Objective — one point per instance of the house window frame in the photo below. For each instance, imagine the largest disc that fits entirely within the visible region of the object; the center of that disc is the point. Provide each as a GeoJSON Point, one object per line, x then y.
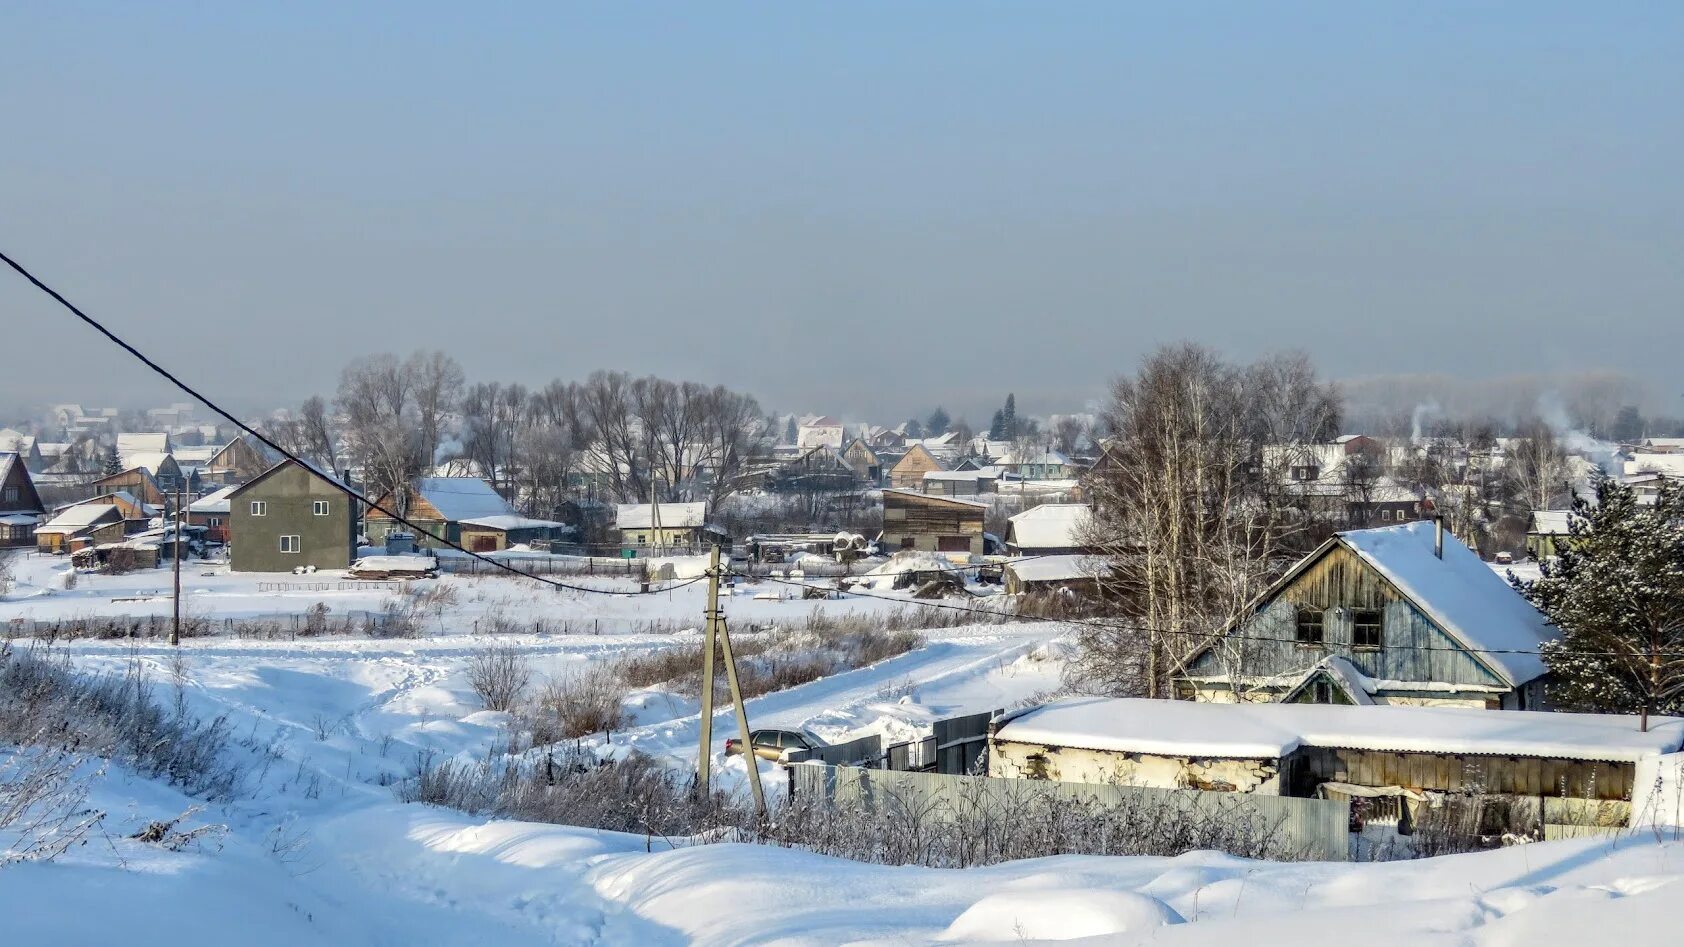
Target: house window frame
{"type": "Point", "coordinates": [1304, 621]}
{"type": "Point", "coordinates": [297, 544]}
{"type": "Point", "coordinates": [259, 507]}
{"type": "Point", "coordinates": [320, 508]}
{"type": "Point", "coordinates": [1374, 641]}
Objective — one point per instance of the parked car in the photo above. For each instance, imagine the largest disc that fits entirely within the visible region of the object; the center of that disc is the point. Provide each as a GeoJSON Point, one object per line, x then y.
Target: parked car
{"type": "Point", "coordinates": [1505, 558]}
{"type": "Point", "coordinates": [772, 744]}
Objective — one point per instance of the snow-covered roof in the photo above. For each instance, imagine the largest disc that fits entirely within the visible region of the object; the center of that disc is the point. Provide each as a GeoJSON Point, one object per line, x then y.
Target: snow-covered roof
{"type": "Point", "coordinates": [1672, 464]}
{"type": "Point", "coordinates": [933, 498]}
{"type": "Point", "coordinates": [987, 473]}
{"type": "Point", "coordinates": [81, 515]}
{"type": "Point", "coordinates": [510, 521]}
{"type": "Point", "coordinates": [143, 443]}
{"type": "Point", "coordinates": [1552, 522]}
{"type": "Point", "coordinates": [1056, 568]}
{"type": "Point", "coordinates": [673, 516]}
{"type": "Point", "coordinates": [1049, 526]}
{"type": "Point", "coordinates": [149, 461]}
{"type": "Point", "coordinates": [462, 498]}
{"type": "Point", "coordinates": [19, 519]}
{"type": "Point", "coordinates": [198, 455]}
{"type": "Point", "coordinates": [1043, 457]}
{"type": "Point", "coordinates": [1260, 731]}
{"type": "Point", "coordinates": [1665, 443]}
{"type": "Point", "coordinates": [213, 502]}
{"type": "Point", "coordinates": [1460, 594]}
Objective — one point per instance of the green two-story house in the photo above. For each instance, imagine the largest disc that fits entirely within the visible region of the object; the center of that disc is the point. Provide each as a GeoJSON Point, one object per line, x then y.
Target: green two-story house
{"type": "Point", "coordinates": [291, 516]}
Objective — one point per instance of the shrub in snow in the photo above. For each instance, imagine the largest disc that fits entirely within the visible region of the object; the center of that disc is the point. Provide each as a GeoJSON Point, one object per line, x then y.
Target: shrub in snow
{"type": "Point", "coordinates": [45, 704]}
{"type": "Point", "coordinates": [499, 674]}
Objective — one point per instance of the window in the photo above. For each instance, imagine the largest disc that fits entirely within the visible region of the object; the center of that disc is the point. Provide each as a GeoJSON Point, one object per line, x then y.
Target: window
{"type": "Point", "coordinates": [213, 521]}
{"type": "Point", "coordinates": [1385, 515]}
{"type": "Point", "coordinates": [290, 544]}
{"type": "Point", "coordinates": [1309, 630]}
{"type": "Point", "coordinates": [1321, 692]}
{"type": "Point", "coordinates": [319, 507]}
{"type": "Point", "coordinates": [259, 508]}
{"type": "Point", "coordinates": [1367, 628]}
{"type": "Point", "coordinates": [11, 494]}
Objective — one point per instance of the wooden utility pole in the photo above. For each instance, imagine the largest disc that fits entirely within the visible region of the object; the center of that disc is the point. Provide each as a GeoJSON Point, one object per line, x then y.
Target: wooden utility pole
{"type": "Point", "coordinates": [719, 635]}
{"type": "Point", "coordinates": [180, 522]}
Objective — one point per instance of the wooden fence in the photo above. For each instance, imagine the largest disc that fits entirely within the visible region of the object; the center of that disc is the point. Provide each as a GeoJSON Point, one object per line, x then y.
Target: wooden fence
{"type": "Point", "coordinates": [1315, 829]}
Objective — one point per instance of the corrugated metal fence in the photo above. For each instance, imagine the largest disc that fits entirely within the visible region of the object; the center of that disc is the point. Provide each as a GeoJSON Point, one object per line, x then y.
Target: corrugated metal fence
{"type": "Point", "coordinates": [1315, 829]}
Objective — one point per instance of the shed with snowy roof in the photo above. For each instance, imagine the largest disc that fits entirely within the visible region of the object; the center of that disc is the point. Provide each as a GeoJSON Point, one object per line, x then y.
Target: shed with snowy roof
{"type": "Point", "coordinates": [1585, 763]}
{"type": "Point", "coordinates": [1409, 608]}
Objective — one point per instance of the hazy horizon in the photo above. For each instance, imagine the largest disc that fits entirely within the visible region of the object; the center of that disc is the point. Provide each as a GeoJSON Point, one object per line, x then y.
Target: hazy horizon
{"type": "Point", "coordinates": [863, 211]}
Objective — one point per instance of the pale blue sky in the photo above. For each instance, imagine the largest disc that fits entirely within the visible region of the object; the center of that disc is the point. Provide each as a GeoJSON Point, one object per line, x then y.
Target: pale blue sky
{"type": "Point", "coordinates": [852, 208]}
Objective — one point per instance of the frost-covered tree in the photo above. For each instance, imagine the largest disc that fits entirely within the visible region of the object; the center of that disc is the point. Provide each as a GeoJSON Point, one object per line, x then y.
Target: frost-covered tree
{"type": "Point", "coordinates": [936, 424]}
{"type": "Point", "coordinates": [1616, 592]}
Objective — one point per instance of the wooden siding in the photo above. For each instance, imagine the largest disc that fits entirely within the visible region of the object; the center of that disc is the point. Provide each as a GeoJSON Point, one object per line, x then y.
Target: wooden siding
{"type": "Point", "coordinates": [1447, 772]}
{"type": "Point", "coordinates": [908, 473]}
{"type": "Point", "coordinates": [926, 521]}
{"type": "Point", "coordinates": [1413, 648]}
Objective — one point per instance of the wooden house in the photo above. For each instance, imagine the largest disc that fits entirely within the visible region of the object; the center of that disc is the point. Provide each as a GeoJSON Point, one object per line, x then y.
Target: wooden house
{"type": "Point", "coordinates": [913, 520]}
{"type": "Point", "coordinates": [1548, 532]}
{"type": "Point", "coordinates": [816, 470]}
{"type": "Point", "coordinates": [961, 483]}
{"type": "Point", "coordinates": [212, 512]}
{"type": "Point", "coordinates": [908, 472]}
{"type": "Point", "coordinates": [138, 482]}
{"type": "Point", "coordinates": [867, 465]}
{"type": "Point", "coordinates": [236, 462]}
{"type": "Point", "coordinates": [665, 528]}
{"type": "Point", "coordinates": [1036, 464]}
{"type": "Point", "coordinates": [461, 510]}
{"type": "Point", "coordinates": [289, 517]}
{"type": "Point", "coordinates": [1418, 616]}
{"type": "Point", "coordinates": [20, 504]}
{"type": "Point", "coordinates": [80, 525]}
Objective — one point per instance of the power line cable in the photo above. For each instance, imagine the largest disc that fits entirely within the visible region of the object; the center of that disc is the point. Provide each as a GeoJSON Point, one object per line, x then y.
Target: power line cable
{"type": "Point", "coordinates": [354, 493]}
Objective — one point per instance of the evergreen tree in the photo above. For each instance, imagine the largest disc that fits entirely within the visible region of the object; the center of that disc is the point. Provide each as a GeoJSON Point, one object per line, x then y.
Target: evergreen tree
{"type": "Point", "coordinates": [997, 427]}
{"type": "Point", "coordinates": [936, 424]}
{"type": "Point", "coordinates": [113, 463]}
{"type": "Point", "coordinates": [1616, 592]}
{"type": "Point", "coordinates": [914, 429]}
{"type": "Point", "coordinates": [1008, 419]}
{"type": "Point", "coordinates": [792, 433]}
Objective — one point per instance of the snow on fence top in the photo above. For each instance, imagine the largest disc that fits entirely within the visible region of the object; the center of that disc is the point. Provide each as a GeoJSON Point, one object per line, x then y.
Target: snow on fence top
{"type": "Point", "coordinates": [1257, 731]}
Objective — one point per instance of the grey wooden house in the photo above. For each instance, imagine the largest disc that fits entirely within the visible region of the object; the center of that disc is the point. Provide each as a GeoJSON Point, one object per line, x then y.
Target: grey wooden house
{"type": "Point", "coordinates": [1395, 615]}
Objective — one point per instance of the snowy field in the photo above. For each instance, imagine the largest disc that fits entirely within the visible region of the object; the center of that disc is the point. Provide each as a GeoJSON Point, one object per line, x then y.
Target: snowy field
{"type": "Point", "coordinates": [319, 851]}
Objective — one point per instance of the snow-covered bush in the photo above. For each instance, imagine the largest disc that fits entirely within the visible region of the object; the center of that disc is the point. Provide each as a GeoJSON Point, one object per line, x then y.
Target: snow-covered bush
{"type": "Point", "coordinates": [44, 704]}
{"type": "Point", "coordinates": [499, 674]}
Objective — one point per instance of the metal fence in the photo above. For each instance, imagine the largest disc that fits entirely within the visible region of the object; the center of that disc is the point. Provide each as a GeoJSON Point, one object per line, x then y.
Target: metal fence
{"type": "Point", "coordinates": [1316, 829]}
{"type": "Point", "coordinates": [549, 565]}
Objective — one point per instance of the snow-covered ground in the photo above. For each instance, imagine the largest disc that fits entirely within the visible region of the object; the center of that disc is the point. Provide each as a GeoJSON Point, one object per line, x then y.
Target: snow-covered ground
{"type": "Point", "coordinates": [318, 850]}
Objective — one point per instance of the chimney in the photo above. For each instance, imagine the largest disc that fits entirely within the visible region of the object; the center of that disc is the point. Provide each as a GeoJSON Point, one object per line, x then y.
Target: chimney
{"type": "Point", "coordinates": [1438, 536]}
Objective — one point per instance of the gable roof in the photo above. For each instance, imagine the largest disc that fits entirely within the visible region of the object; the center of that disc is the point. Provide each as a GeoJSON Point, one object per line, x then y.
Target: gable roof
{"type": "Point", "coordinates": [1049, 526]}
{"type": "Point", "coordinates": [12, 464]}
{"type": "Point", "coordinates": [1458, 593]}
{"type": "Point", "coordinates": [673, 516]}
{"type": "Point", "coordinates": [461, 498]}
{"type": "Point", "coordinates": [1057, 568]}
{"type": "Point", "coordinates": [918, 449]}
{"type": "Point", "coordinates": [80, 516]}
{"type": "Point", "coordinates": [213, 502]}
{"type": "Point", "coordinates": [320, 474]}
{"type": "Point", "coordinates": [1343, 675]}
